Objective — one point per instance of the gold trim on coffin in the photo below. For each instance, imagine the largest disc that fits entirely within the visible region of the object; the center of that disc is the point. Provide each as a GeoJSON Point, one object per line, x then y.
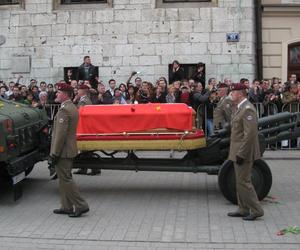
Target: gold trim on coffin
{"type": "Point", "coordinates": [180, 144]}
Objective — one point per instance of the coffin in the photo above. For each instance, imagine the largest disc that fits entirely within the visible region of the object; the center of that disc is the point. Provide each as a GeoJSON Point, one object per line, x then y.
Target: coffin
{"type": "Point", "coordinates": [138, 127]}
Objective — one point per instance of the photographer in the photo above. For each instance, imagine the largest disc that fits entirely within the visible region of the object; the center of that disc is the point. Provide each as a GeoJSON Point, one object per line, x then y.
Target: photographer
{"type": "Point", "coordinates": [143, 95]}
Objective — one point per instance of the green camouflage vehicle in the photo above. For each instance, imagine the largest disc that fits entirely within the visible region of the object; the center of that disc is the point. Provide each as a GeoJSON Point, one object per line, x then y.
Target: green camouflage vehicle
{"type": "Point", "coordinates": [23, 141]}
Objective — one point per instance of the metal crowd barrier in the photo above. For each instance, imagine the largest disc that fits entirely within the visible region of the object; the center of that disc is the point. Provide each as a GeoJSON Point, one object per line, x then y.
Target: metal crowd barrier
{"type": "Point", "coordinates": [291, 144]}
{"type": "Point", "coordinates": [262, 111]}
{"type": "Point", "coordinates": [51, 110]}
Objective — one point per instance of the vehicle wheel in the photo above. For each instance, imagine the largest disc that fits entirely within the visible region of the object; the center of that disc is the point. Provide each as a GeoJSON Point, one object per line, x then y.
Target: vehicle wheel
{"type": "Point", "coordinates": [261, 180]}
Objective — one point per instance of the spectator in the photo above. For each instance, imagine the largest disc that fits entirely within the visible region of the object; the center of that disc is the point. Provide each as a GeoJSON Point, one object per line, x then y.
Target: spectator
{"type": "Point", "coordinates": [3, 90]}
{"type": "Point", "coordinates": [123, 90]}
{"type": "Point", "coordinates": [11, 86]}
{"type": "Point", "coordinates": [185, 95]}
{"type": "Point", "coordinates": [227, 81]}
{"type": "Point", "coordinates": [290, 94]}
{"type": "Point", "coordinates": [23, 91]}
{"type": "Point", "coordinates": [143, 95]}
{"type": "Point", "coordinates": [177, 86]}
{"type": "Point", "coordinates": [200, 95]}
{"type": "Point", "coordinates": [51, 94]}
{"type": "Point", "coordinates": [171, 98]}
{"type": "Point", "coordinates": [43, 95]}
{"type": "Point", "coordinates": [16, 96]}
{"type": "Point", "coordinates": [118, 97]}
{"type": "Point", "coordinates": [32, 83]}
{"type": "Point", "coordinates": [211, 104]}
{"type": "Point", "coordinates": [108, 97]}
{"type": "Point", "coordinates": [35, 91]}
{"type": "Point", "coordinates": [199, 74]}
{"type": "Point", "coordinates": [159, 96]}
{"type": "Point", "coordinates": [87, 71]}
{"type": "Point", "coordinates": [98, 98]}
{"type": "Point", "coordinates": [177, 73]}
{"type": "Point", "coordinates": [128, 83]}
{"type": "Point", "coordinates": [131, 95]}
{"type": "Point", "coordinates": [74, 84]}
{"type": "Point", "coordinates": [43, 86]}
{"type": "Point", "coordinates": [255, 93]}
{"type": "Point", "coordinates": [70, 76]}
{"type": "Point", "coordinates": [29, 98]}
{"type": "Point", "coordinates": [138, 83]}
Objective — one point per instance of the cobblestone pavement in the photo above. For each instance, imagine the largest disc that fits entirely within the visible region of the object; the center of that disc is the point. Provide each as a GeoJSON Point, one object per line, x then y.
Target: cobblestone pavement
{"type": "Point", "coordinates": [150, 210]}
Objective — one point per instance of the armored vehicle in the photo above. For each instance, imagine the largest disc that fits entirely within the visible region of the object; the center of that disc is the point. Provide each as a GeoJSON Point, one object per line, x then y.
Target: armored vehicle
{"type": "Point", "coordinates": [104, 131]}
{"type": "Point", "coordinates": [23, 141]}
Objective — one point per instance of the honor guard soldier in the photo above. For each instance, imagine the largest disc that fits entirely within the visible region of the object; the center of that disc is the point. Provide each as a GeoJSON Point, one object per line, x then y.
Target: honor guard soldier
{"type": "Point", "coordinates": [83, 94]}
{"type": "Point", "coordinates": [244, 150]}
{"type": "Point", "coordinates": [63, 151]}
{"type": "Point", "coordinates": [222, 113]}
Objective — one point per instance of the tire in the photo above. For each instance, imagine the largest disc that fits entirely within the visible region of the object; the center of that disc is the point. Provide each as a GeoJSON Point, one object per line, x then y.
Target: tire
{"type": "Point", "coordinates": [261, 180]}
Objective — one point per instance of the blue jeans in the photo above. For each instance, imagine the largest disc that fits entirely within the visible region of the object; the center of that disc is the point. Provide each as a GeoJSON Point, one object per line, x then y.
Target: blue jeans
{"type": "Point", "coordinates": [209, 127]}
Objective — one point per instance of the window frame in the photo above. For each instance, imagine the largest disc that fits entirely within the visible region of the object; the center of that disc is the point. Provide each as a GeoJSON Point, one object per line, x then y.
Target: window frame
{"type": "Point", "coordinates": [17, 6]}
{"type": "Point", "coordinates": [185, 4]}
{"type": "Point", "coordinates": [57, 5]}
{"type": "Point", "coordinates": [85, 2]}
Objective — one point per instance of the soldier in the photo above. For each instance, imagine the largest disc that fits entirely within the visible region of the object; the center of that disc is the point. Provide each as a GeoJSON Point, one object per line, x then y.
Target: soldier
{"type": "Point", "coordinates": [222, 113]}
{"type": "Point", "coordinates": [83, 95]}
{"type": "Point", "coordinates": [244, 150]}
{"type": "Point", "coordinates": [63, 150]}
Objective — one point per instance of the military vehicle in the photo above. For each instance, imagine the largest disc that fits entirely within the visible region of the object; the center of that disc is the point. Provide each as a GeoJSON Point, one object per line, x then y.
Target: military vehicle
{"type": "Point", "coordinates": [23, 141]}
{"type": "Point", "coordinates": [119, 130]}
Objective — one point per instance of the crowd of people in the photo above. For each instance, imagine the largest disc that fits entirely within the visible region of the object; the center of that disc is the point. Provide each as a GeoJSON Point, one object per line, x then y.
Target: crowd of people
{"type": "Point", "coordinates": [193, 91]}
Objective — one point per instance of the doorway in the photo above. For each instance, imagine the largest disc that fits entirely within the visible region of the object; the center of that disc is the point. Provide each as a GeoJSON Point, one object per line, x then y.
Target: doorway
{"type": "Point", "coordinates": [294, 59]}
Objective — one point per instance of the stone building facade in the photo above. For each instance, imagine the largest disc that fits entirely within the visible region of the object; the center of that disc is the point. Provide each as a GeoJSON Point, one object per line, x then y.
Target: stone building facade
{"type": "Point", "coordinates": [41, 37]}
{"type": "Point", "coordinates": [281, 38]}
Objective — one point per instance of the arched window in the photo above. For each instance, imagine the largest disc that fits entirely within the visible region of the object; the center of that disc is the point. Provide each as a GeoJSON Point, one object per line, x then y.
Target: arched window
{"type": "Point", "coordinates": [294, 59]}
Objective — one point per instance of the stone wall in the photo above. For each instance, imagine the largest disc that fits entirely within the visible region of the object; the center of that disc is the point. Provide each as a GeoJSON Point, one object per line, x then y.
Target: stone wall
{"type": "Point", "coordinates": [130, 35]}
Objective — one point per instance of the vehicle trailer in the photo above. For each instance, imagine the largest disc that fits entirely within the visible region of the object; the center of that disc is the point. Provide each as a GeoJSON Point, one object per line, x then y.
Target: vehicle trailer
{"type": "Point", "coordinates": [24, 141]}
{"type": "Point", "coordinates": [202, 155]}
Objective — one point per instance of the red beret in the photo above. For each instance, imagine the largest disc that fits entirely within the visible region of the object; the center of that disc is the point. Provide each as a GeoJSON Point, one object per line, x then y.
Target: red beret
{"type": "Point", "coordinates": [238, 86]}
{"type": "Point", "coordinates": [83, 86]}
{"type": "Point", "coordinates": [64, 87]}
{"type": "Point", "coordinates": [222, 85]}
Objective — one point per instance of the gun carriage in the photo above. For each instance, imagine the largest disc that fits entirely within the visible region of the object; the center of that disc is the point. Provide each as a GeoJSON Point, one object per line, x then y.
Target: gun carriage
{"type": "Point", "coordinates": [104, 131]}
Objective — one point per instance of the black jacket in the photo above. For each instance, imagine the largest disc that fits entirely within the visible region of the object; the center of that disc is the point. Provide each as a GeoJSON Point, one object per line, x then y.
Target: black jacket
{"type": "Point", "coordinates": [177, 75]}
{"type": "Point", "coordinates": [92, 75]}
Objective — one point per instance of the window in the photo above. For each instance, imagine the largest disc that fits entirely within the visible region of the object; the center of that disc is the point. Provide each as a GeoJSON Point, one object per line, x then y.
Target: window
{"type": "Point", "coordinates": [81, 4]}
{"type": "Point", "coordinates": [9, 2]}
{"type": "Point", "coordinates": [189, 70]}
{"type": "Point", "coordinates": [186, 3]}
{"type": "Point", "coordinates": [294, 59]}
{"type": "Point", "coordinates": [82, 1]}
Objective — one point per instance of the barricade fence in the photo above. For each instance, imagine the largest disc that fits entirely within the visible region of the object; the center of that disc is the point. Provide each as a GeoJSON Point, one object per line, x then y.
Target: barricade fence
{"type": "Point", "coordinates": [204, 120]}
